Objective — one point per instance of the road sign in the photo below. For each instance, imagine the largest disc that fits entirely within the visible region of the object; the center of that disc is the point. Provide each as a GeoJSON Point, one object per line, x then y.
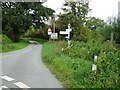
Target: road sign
{"type": "Point", "coordinates": [64, 32]}
{"type": "Point", "coordinates": [54, 35]}
{"type": "Point", "coordinates": [49, 31]}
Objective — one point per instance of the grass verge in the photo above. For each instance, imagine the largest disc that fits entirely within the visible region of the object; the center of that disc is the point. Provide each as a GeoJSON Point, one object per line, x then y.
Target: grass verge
{"type": "Point", "coordinates": [7, 45]}
{"type": "Point", "coordinates": [70, 71]}
{"type": "Point", "coordinates": [73, 66]}
{"type": "Point", "coordinates": [14, 46]}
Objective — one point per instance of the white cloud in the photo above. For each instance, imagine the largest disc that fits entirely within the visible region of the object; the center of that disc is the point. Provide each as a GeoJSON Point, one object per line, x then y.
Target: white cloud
{"type": "Point", "coordinates": [104, 8]}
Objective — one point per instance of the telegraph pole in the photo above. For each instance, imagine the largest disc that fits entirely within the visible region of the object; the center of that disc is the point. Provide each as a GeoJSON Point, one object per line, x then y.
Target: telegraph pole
{"type": "Point", "coordinates": [119, 10]}
{"type": "Point", "coordinates": [54, 26]}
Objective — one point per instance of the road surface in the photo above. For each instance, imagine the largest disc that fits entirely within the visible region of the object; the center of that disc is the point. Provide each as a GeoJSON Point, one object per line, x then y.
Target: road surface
{"type": "Point", "coordinates": [24, 69]}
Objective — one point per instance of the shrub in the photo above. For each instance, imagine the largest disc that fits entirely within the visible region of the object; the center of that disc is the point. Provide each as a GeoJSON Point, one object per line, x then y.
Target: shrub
{"type": "Point", "coordinates": [6, 42]}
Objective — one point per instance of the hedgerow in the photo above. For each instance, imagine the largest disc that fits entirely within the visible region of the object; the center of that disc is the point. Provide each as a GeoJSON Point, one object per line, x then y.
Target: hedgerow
{"type": "Point", "coordinates": [73, 66]}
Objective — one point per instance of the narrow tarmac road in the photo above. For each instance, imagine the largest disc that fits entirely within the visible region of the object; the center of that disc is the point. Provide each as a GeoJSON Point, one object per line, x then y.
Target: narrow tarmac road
{"type": "Point", "coordinates": [24, 69]}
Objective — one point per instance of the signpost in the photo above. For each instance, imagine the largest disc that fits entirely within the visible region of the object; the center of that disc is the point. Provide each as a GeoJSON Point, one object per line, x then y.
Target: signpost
{"type": "Point", "coordinates": [52, 35]}
{"type": "Point", "coordinates": [68, 33]}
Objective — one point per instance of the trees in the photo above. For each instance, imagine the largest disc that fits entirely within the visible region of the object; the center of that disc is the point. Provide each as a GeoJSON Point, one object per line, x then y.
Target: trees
{"type": "Point", "coordinates": [19, 16]}
{"type": "Point", "coordinates": [113, 26]}
{"type": "Point", "coordinates": [40, 32]}
{"type": "Point", "coordinates": [76, 14]}
{"type": "Point", "coordinates": [95, 23]}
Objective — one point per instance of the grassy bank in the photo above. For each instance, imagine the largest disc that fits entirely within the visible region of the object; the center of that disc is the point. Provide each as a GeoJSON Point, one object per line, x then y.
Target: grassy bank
{"type": "Point", "coordinates": [8, 45]}
{"type": "Point", "coordinates": [14, 46]}
{"type": "Point", "coordinates": [73, 66]}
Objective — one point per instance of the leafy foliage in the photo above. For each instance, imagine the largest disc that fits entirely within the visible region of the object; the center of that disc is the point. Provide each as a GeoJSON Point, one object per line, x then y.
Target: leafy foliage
{"type": "Point", "coordinates": [19, 16]}
{"type": "Point", "coordinates": [40, 32]}
{"type": "Point", "coordinates": [113, 26]}
{"type": "Point", "coordinates": [95, 23]}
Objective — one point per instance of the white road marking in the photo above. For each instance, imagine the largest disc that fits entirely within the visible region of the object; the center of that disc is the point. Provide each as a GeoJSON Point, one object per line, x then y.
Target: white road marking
{"type": "Point", "coordinates": [21, 85]}
{"type": "Point", "coordinates": [7, 78]}
{"type": "Point", "coordinates": [3, 87]}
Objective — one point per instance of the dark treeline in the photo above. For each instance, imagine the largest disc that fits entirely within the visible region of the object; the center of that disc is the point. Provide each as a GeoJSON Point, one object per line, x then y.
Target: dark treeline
{"type": "Point", "coordinates": [18, 17]}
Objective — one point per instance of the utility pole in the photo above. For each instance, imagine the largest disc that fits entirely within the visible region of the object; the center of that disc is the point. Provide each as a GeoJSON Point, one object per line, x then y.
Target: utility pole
{"type": "Point", "coordinates": [54, 21]}
{"type": "Point", "coordinates": [54, 25]}
{"type": "Point", "coordinates": [119, 10]}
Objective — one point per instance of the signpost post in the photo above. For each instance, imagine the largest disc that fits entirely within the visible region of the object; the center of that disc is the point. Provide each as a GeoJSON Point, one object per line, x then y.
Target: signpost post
{"type": "Point", "coordinates": [69, 30]}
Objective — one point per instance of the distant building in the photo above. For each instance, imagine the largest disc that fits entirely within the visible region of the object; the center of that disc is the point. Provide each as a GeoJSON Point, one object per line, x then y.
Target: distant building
{"type": "Point", "coordinates": [119, 9]}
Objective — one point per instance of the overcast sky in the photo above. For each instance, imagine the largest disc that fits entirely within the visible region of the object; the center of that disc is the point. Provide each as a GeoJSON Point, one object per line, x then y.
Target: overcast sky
{"type": "Point", "coordinates": [100, 8]}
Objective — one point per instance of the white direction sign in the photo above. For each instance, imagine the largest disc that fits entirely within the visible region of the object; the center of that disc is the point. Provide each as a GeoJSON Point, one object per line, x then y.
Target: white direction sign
{"type": "Point", "coordinates": [68, 33]}
{"type": "Point", "coordinates": [64, 32]}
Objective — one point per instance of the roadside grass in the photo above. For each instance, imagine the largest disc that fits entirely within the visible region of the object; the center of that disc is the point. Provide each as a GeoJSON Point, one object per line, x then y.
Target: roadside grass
{"type": "Point", "coordinates": [73, 66]}
{"type": "Point", "coordinates": [70, 71]}
{"type": "Point", "coordinates": [14, 46]}
{"type": "Point", "coordinates": [7, 45]}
